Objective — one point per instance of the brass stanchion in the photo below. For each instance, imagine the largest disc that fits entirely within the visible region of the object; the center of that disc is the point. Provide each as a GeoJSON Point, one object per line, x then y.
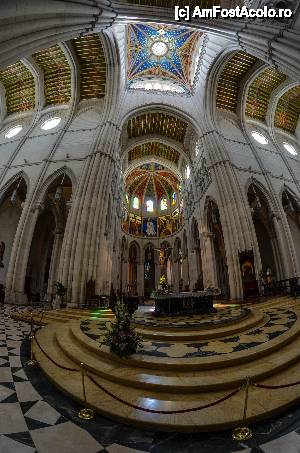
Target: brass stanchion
{"type": "Point", "coordinates": [42, 317]}
{"type": "Point", "coordinates": [85, 413]}
{"type": "Point", "coordinates": [31, 361]}
{"type": "Point", "coordinates": [243, 432]}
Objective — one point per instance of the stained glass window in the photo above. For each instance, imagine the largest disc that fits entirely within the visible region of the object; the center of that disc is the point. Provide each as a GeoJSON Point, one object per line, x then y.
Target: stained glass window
{"type": "Point", "coordinates": [174, 198]}
{"type": "Point", "coordinates": [187, 172]}
{"type": "Point", "coordinates": [127, 199]}
{"type": "Point", "coordinates": [149, 205]}
{"type": "Point", "coordinates": [163, 204]}
{"type": "Point", "coordinates": [136, 203]}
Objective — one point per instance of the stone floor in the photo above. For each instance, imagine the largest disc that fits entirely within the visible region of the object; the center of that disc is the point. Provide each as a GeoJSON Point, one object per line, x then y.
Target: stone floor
{"type": "Point", "coordinates": [36, 417]}
{"type": "Point", "coordinates": [279, 320]}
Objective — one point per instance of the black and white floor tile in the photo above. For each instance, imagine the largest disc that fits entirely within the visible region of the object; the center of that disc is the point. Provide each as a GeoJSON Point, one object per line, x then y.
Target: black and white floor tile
{"type": "Point", "coordinates": [36, 418]}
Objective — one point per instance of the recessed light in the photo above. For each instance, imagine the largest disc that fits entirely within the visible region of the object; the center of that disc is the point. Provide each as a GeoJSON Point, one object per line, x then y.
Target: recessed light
{"type": "Point", "coordinates": [13, 131]}
{"type": "Point", "coordinates": [260, 138]}
{"type": "Point", "coordinates": [290, 148]}
{"type": "Point", "coordinates": [51, 123]}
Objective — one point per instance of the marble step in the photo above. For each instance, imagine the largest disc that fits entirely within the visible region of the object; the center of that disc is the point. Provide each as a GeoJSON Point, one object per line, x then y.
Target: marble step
{"type": "Point", "coordinates": [255, 319]}
{"type": "Point", "coordinates": [173, 381]}
{"type": "Point", "coordinates": [191, 363]}
{"type": "Point", "coordinates": [176, 381]}
{"type": "Point", "coordinates": [261, 404]}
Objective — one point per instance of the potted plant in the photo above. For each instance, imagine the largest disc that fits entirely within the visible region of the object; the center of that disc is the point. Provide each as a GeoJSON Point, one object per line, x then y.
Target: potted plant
{"type": "Point", "coordinates": [122, 338]}
{"type": "Point", "coordinates": [61, 292]}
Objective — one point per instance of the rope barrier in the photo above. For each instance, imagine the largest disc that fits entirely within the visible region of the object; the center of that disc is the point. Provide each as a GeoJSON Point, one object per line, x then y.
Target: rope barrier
{"type": "Point", "coordinates": [274, 387]}
{"type": "Point", "coordinates": [53, 361]}
{"type": "Point", "coordinates": [154, 411]}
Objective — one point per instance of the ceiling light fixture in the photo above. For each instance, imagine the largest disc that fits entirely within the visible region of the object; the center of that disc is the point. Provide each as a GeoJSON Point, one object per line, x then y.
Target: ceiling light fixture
{"type": "Point", "coordinates": [289, 148]}
{"type": "Point", "coordinates": [259, 137]}
{"type": "Point", "coordinates": [13, 131]}
{"type": "Point", "coordinates": [51, 123]}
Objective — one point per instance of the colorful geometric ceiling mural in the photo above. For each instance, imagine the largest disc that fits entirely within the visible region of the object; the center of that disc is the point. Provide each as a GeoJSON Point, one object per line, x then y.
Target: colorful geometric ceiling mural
{"type": "Point", "coordinates": [260, 92]}
{"type": "Point", "coordinates": [151, 181]}
{"type": "Point", "coordinates": [92, 62]}
{"type": "Point", "coordinates": [154, 149]}
{"type": "Point", "coordinates": [288, 110]}
{"type": "Point", "coordinates": [157, 123]}
{"type": "Point", "coordinates": [19, 88]}
{"type": "Point", "coordinates": [161, 53]}
{"type": "Point", "coordinates": [57, 75]}
{"type": "Point", "coordinates": [228, 84]}
{"type": "Point", "coordinates": [173, 3]}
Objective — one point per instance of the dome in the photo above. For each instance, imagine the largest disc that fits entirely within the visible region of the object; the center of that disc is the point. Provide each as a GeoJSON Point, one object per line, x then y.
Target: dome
{"type": "Point", "coordinates": [152, 202]}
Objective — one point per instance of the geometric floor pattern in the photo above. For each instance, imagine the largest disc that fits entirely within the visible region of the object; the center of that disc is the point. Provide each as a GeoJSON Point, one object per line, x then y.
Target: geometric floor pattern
{"type": "Point", "coordinates": [29, 424]}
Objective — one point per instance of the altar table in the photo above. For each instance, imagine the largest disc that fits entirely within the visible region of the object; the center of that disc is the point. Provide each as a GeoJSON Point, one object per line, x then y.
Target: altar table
{"type": "Point", "coordinates": [184, 303]}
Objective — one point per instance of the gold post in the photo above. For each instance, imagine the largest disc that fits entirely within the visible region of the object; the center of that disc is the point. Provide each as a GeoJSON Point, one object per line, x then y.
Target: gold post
{"type": "Point", "coordinates": [85, 413]}
{"type": "Point", "coordinates": [32, 361]}
{"type": "Point", "coordinates": [242, 433]}
{"type": "Point", "coordinates": [42, 317]}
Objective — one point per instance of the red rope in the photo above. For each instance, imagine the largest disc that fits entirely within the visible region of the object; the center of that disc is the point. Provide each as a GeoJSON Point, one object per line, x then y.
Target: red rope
{"type": "Point", "coordinates": [153, 411]}
{"type": "Point", "coordinates": [270, 387]}
{"type": "Point", "coordinates": [53, 361]}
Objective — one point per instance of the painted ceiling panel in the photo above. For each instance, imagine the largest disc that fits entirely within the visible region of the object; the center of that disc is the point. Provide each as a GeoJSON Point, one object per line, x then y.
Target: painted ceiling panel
{"type": "Point", "coordinates": [157, 123]}
{"type": "Point", "coordinates": [19, 88]}
{"type": "Point", "coordinates": [162, 53]}
{"type": "Point", "coordinates": [92, 62]}
{"type": "Point", "coordinates": [57, 75]}
{"type": "Point", "coordinates": [154, 149]}
{"type": "Point", "coordinates": [228, 84]}
{"type": "Point", "coordinates": [288, 110]}
{"type": "Point", "coordinates": [151, 181]}
{"type": "Point", "coordinates": [260, 91]}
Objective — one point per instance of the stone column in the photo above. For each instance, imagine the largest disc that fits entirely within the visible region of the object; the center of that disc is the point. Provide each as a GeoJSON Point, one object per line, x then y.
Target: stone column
{"type": "Point", "coordinates": [58, 238]}
{"type": "Point", "coordinates": [210, 276]}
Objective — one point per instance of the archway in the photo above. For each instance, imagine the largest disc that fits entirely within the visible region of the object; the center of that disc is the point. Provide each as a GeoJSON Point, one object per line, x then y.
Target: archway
{"type": "Point", "coordinates": [292, 210]}
{"type": "Point", "coordinates": [47, 240]}
{"type": "Point", "coordinates": [149, 271]}
{"type": "Point", "coordinates": [215, 227]}
{"type": "Point", "coordinates": [265, 233]}
{"type": "Point", "coordinates": [10, 212]}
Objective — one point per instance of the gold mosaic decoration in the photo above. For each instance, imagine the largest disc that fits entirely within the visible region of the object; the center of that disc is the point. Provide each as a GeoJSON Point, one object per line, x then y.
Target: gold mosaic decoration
{"type": "Point", "coordinates": [57, 75]}
{"type": "Point", "coordinates": [154, 149]}
{"type": "Point", "coordinates": [260, 92]}
{"type": "Point", "coordinates": [157, 123]}
{"type": "Point", "coordinates": [19, 88]}
{"type": "Point", "coordinates": [173, 3]}
{"type": "Point", "coordinates": [288, 110]}
{"type": "Point", "coordinates": [91, 57]}
{"type": "Point", "coordinates": [230, 78]}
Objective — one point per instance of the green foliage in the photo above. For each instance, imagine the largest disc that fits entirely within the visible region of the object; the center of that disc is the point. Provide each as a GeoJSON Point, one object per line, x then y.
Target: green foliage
{"type": "Point", "coordinates": [122, 338]}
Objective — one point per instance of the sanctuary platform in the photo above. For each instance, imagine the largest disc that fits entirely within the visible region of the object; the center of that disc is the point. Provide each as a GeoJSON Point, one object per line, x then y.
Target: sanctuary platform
{"type": "Point", "coordinates": [190, 371]}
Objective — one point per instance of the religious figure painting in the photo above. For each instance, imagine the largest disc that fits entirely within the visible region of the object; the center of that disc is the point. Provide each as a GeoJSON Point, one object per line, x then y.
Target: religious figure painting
{"type": "Point", "coordinates": [150, 227]}
{"type": "Point", "coordinates": [165, 225]}
{"type": "Point", "coordinates": [135, 225]}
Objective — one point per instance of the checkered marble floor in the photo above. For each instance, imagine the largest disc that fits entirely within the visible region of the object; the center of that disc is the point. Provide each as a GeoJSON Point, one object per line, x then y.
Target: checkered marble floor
{"type": "Point", "coordinates": [34, 419]}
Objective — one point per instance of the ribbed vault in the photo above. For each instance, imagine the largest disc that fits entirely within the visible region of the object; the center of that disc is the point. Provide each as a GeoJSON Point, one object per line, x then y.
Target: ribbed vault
{"type": "Point", "coordinates": [154, 149]}
{"type": "Point", "coordinates": [57, 75]}
{"type": "Point", "coordinates": [157, 123]}
{"type": "Point", "coordinates": [260, 91]}
{"type": "Point", "coordinates": [288, 110]}
{"type": "Point", "coordinates": [229, 80]}
{"type": "Point", "coordinates": [19, 88]}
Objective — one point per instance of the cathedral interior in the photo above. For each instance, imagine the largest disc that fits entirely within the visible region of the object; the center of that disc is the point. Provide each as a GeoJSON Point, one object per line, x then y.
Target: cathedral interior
{"type": "Point", "coordinates": [149, 228]}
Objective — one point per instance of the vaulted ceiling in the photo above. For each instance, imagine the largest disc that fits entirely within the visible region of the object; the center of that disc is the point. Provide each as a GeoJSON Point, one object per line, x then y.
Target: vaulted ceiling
{"type": "Point", "coordinates": [154, 149]}
{"type": "Point", "coordinates": [19, 83]}
{"type": "Point", "coordinates": [288, 110]}
{"type": "Point", "coordinates": [19, 88]}
{"type": "Point", "coordinates": [157, 123]}
{"type": "Point", "coordinates": [173, 3]}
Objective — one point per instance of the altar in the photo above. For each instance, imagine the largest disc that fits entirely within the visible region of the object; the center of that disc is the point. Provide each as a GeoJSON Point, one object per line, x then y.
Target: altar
{"type": "Point", "coordinates": [186, 302]}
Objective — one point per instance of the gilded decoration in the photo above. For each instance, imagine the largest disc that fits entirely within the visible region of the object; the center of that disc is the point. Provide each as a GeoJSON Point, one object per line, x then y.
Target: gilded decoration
{"type": "Point", "coordinates": [157, 123]}
{"type": "Point", "coordinates": [19, 88]}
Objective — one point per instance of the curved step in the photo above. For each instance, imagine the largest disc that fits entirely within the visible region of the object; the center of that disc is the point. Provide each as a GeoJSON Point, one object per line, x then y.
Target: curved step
{"type": "Point", "coordinates": [227, 414]}
{"type": "Point", "coordinates": [255, 319]}
{"type": "Point", "coordinates": [170, 381]}
{"type": "Point", "coordinates": [191, 363]}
